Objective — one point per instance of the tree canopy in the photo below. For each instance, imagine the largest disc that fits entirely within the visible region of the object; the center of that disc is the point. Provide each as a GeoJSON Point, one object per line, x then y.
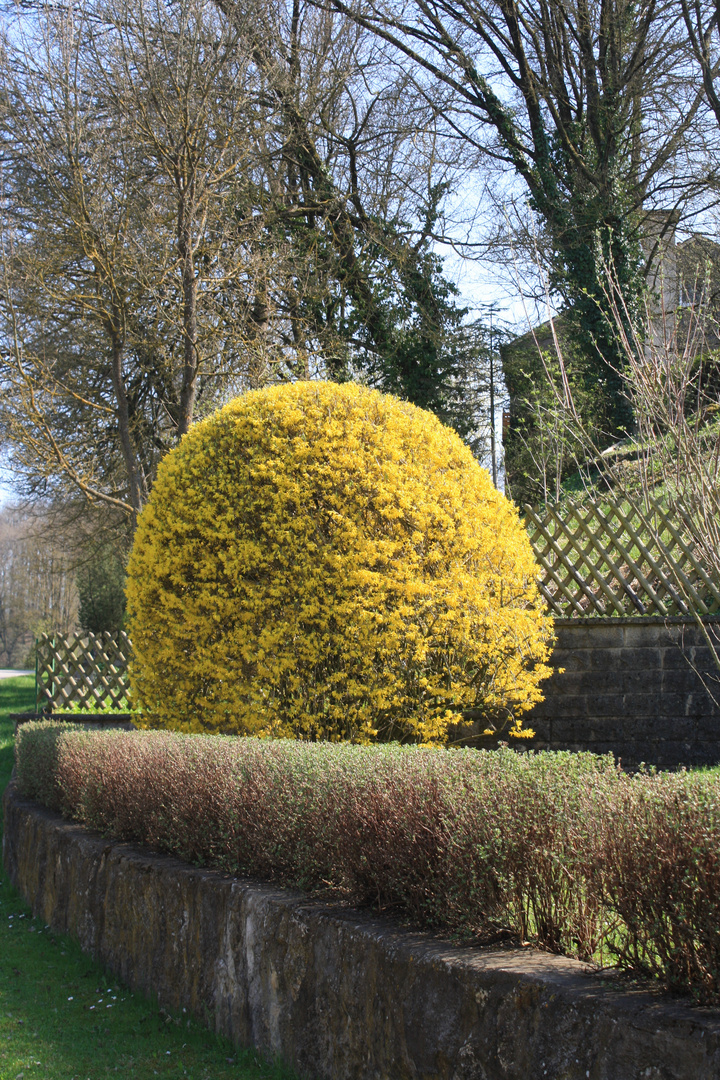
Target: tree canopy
{"type": "Point", "coordinates": [199, 200]}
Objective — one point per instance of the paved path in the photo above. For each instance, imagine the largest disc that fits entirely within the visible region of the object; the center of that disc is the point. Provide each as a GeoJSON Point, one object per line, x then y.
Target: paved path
{"type": "Point", "coordinates": [5, 673]}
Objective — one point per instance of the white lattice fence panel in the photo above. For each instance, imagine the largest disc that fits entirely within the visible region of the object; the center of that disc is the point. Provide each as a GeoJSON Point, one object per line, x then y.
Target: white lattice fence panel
{"type": "Point", "coordinates": [612, 558]}
{"type": "Point", "coordinates": [89, 670]}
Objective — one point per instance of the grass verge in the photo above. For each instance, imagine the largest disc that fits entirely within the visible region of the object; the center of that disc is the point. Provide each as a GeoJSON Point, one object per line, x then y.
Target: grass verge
{"type": "Point", "coordinates": [63, 1018]}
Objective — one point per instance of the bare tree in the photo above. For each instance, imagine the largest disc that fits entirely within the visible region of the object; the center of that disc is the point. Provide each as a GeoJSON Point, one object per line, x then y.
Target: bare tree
{"type": "Point", "coordinates": [358, 171]}
{"type": "Point", "coordinates": [37, 585]}
{"type": "Point", "coordinates": [124, 299]}
{"type": "Point", "coordinates": [197, 201]}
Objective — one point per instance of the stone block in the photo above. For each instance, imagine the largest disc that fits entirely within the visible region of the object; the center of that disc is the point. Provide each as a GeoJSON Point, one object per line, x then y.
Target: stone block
{"type": "Point", "coordinates": [616, 747]}
{"type": "Point", "coordinates": [707, 751]}
{"type": "Point", "coordinates": [678, 705]}
{"type": "Point", "coordinates": [542, 728]}
{"type": "Point", "coordinates": [675, 753]}
{"type": "Point", "coordinates": [690, 636]}
{"type": "Point", "coordinates": [564, 705]}
{"type": "Point", "coordinates": [681, 680]}
{"type": "Point", "coordinates": [673, 727]}
{"type": "Point", "coordinates": [638, 681]}
{"type": "Point", "coordinates": [702, 704]}
{"type": "Point", "coordinates": [571, 660]}
{"type": "Point", "coordinates": [707, 729]}
{"type": "Point", "coordinates": [637, 751]}
{"type": "Point", "coordinates": [644, 705]}
{"type": "Point", "coordinates": [542, 713]}
{"type": "Point", "coordinates": [565, 731]}
{"type": "Point", "coordinates": [555, 684]}
{"type": "Point", "coordinates": [647, 636]}
{"type": "Point", "coordinates": [588, 683]}
{"type": "Point", "coordinates": [693, 656]}
{"type": "Point", "coordinates": [639, 659]}
{"type": "Point", "coordinates": [609, 730]}
{"type": "Point", "coordinates": [601, 705]}
{"type": "Point", "coordinates": [606, 659]}
{"type": "Point", "coordinates": [591, 636]}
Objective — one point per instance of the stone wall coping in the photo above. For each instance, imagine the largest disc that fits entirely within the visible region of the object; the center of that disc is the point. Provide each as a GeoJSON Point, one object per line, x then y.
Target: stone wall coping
{"type": "Point", "coordinates": [339, 993]}
{"type": "Point", "coordinates": [635, 620]}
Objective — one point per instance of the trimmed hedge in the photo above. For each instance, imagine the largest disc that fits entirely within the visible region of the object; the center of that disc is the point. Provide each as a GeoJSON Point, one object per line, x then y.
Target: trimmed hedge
{"type": "Point", "coordinates": [563, 850]}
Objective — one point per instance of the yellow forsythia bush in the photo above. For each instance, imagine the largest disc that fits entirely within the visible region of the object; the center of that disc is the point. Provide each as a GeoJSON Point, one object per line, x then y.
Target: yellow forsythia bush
{"type": "Point", "coordinates": [323, 561]}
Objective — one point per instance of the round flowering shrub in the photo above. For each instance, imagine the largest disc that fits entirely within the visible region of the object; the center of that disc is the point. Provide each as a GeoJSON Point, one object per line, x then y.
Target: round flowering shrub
{"type": "Point", "coordinates": [326, 562]}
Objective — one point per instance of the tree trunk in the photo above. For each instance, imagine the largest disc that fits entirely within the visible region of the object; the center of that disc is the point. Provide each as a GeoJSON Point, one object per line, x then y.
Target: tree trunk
{"type": "Point", "coordinates": [189, 282]}
{"type": "Point", "coordinates": [135, 482]}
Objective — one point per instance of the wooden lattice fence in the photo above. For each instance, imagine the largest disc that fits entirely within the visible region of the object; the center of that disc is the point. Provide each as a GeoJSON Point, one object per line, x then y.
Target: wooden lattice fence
{"type": "Point", "coordinates": [612, 558]}
{"type": "Point", "coordinates": [86, 670]}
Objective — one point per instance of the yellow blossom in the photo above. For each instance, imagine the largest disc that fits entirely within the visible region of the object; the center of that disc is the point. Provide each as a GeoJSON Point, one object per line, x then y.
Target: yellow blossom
{"type": "Point", "coordinates": [323, 561]}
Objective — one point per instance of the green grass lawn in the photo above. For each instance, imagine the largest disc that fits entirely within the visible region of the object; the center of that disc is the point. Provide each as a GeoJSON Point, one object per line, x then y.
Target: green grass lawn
{"type": "Point", "coordinates": [63, 1017]}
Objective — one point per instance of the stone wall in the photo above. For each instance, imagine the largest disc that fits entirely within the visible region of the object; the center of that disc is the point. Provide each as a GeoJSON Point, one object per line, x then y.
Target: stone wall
{"type": "Point", "coordinates": [334, 992]}
{"type": "Point", "coordinates": [641, 688]}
